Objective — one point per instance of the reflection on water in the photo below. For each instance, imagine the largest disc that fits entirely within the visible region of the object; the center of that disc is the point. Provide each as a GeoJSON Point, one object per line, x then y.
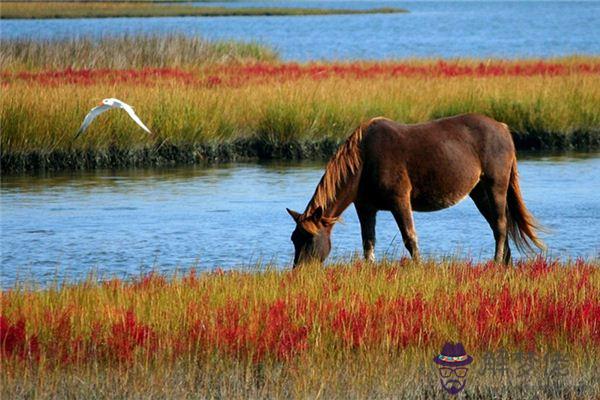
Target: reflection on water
{"type": "Point", "coordinates": [122, 222]}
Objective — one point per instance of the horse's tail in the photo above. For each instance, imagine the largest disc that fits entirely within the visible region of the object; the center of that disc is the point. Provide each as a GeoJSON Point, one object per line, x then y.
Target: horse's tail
{"type": "Point", "coordinates": [522, 225]}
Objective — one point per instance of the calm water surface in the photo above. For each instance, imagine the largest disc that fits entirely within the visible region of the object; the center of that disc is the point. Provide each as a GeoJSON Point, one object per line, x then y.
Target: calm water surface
{"type": "Point", "coordinates": [510, 29]}
{"type": "Point", "coordinates": [124, 222]}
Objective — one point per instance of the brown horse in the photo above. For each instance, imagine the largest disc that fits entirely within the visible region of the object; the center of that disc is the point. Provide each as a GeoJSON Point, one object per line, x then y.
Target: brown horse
{"type": "Point", "coordinates": [385, 165]}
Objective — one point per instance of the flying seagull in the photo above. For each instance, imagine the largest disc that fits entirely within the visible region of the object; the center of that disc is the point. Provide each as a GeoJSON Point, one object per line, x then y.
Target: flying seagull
{"type": "Point", "coordinates": [105, 105]}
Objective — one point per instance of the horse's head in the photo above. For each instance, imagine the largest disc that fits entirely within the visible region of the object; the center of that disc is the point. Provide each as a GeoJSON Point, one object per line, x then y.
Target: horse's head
{"type": "Point", "coordinates": [312, 236]}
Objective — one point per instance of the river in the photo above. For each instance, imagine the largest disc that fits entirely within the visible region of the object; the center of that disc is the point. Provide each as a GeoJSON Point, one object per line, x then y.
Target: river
{"type": "Point", "coordinates": [121, 223]}
{"type": "Point", "coordinates": [507, 29]}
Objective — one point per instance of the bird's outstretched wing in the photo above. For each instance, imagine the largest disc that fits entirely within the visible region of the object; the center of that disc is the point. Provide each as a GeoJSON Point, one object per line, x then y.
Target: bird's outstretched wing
{"type": "Point", "coordinates": [134, 116]}
{"type": "Point", "coordinates": [113, 103]}
{"type": "Point", "coordinates": [90, 117]}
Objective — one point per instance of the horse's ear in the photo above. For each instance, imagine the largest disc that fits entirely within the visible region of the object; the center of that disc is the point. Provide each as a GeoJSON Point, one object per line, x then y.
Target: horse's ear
{"type": "Point", "coordinates": [318, 214]}
{"type": "Point", "coordinates": [295, 215]}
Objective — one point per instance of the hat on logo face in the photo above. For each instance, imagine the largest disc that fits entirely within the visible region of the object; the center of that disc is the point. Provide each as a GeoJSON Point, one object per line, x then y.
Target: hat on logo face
{"type": "Point", "coordinates": [453, 355]}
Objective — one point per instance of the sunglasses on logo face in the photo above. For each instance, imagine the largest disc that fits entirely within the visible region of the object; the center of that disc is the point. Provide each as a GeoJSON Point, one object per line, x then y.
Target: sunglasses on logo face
{"type": "Point", "coordinates": [447, 372]}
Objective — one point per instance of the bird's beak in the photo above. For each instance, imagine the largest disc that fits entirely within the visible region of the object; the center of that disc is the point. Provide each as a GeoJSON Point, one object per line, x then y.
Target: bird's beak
{"type": "Point", "coordinates": [100, 104]}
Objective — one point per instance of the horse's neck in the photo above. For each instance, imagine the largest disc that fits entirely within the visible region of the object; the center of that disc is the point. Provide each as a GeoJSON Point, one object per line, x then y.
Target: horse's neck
{"type": "Point", "coordinates": [344, 195]}
{"type": "Point", "coordinates": [339, 184]}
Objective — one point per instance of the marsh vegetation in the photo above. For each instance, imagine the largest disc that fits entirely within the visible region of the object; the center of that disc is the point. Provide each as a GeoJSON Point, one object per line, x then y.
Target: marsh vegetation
{"type": "Point", "coordinates": [223, 101]}
{"type": "Point", "coordinates": [303, 333]}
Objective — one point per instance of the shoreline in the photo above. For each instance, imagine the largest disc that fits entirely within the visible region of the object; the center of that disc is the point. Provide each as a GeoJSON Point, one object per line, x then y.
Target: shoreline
{"type": "Point", "coordinates": [164, 153]}
{"type": "Point", "coordinates": [71, 10]}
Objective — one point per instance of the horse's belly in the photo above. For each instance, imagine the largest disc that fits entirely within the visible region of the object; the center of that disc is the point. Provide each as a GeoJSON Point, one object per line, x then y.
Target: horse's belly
{"type": "Point", "coordinates": [437, 194]}
{"type": "Point", "coordinates": [434, 202]}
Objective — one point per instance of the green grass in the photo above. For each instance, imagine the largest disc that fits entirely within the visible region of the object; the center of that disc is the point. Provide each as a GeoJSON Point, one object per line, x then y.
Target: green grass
{"type": "Point", "coordinates": [30, 10]}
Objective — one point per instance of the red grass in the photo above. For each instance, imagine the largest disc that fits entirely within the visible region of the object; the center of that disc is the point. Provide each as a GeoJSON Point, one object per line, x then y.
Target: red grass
{"type": "Point", "coordinates": [146, 76]}
{"type": "Point", "coordinates": [239, 75]}
{"type": "Point", "coordinates": [129, 335]}
{"type": "Point", "coordinates": [15, 342]}
{"type": "Point", "coordinates": [335, 317]}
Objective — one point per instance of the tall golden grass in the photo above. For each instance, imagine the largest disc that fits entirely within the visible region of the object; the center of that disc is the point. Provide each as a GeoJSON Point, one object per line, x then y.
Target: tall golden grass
{"type": "Point", "coordinates": [43, 117]}
{"type": "Point", "coordinates": [350, 330]}
{"type": "Point", "coordinates": [220, 100]}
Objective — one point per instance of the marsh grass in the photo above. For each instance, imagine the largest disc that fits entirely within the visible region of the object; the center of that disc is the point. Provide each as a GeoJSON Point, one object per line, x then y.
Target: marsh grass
{"type": "Point", "coordinates": [224, 101]}
{"type": "Point", "coordinates": [107, 9]}
{"type": "Point", "coordinates": [348, 377]}
{"type": "Point", "coordinates": [351, 330]}
{"type": "Point", "coordinates": [196, 121]}
{"type": "Point", "coordinates": [124, 52]}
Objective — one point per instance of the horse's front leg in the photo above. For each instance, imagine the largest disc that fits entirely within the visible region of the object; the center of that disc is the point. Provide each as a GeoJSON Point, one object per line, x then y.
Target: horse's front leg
{"type": "Point", "coordinates": [402, 212]}
{"type": "Point", "coordinates": [367, 218]}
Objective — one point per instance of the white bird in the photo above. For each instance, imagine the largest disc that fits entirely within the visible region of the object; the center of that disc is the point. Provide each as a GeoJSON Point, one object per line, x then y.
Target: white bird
{"type": "Point", "coordinates": [106, 105]}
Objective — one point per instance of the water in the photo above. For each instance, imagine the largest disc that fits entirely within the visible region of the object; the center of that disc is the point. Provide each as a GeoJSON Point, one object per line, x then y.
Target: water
{"type": "Point", "coordinates": [509, 29]}
{"type": "Point", "coordinates": [124, 222]}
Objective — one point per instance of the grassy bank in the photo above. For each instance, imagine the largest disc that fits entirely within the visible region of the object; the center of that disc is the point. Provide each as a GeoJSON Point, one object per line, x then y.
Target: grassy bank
{"type": "Point", "coordinates": [224, 101]}
{"type": "Point", "coordinates": [228, 112]}
{"type": "Point", "coordinates": [128, 52]}
{"type": "Point", "coordinates": [103, 9]}
{"type": "Point", "coordinates": [351, 330]}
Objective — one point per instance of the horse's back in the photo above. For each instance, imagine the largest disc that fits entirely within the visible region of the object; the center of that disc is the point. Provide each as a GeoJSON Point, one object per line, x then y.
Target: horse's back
{"type": "Point", "coordinates": [439, 161]}
{"type": "Point", "coordinates": [463, 135]}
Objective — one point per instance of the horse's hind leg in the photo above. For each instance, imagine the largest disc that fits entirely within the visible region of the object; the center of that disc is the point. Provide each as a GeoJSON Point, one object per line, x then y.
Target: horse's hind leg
{"type": "Point", "coordinates": [491, 202]}
{"type": "Point", "coordinates": [402, 212]}
{"type": "Point", "coordinates": [366, 216]}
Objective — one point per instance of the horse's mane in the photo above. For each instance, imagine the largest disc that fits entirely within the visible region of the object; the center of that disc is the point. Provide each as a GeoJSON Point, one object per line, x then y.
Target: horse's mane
{"type": "Point", "coordinates": [345, 162]}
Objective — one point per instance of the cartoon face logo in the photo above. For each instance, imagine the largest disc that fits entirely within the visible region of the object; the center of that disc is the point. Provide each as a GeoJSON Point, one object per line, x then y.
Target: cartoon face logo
{"type": "Point", "coordinates": [452, 366]}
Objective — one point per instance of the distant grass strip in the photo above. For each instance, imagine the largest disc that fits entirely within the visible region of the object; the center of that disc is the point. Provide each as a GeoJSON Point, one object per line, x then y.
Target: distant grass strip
{"type": "Point", "coordinates": [116, 1]}
{"type": "Point", "coordinates": [29, 10]}
{"type": "Point", "coordinates": [352, 330]}
{"type": "Point", "coordinates": [127, 52]}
